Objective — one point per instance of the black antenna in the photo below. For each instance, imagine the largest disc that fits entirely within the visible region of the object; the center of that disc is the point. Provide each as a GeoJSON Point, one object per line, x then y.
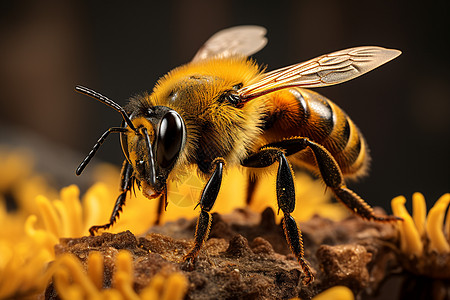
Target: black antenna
{"type": "Point", "coordinates": [97, 145]}
{"type": "Point", "coordinates": [105, 100]}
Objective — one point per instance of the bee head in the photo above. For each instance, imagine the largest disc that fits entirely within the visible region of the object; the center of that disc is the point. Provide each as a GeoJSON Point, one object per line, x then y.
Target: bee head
{"type": "Point", "coordinates": [154, 146]}
{"type": "Point", "coordinates": [151, 138]}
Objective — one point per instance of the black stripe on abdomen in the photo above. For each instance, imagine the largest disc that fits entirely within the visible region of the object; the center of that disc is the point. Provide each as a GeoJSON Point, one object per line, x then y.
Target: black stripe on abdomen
{"type": "Point", "coordinates": [320, 118]}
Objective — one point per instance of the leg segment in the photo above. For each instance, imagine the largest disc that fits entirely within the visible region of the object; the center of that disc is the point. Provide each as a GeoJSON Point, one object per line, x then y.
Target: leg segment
{"type": "Point", "coordinates": [294, 238]}
{"type": "Point", "coordinates": [286, 201]}
{"type": "Point", "coordinates": [207, 200]}
{"type": "Point", "coordinates": [332, 176]}
{"type": "Point", "coordinates": [126, 182]}
{"type": "Point", "coordinates": [285, 182]}
{"type": "Point", "coordinates": [285, 186]}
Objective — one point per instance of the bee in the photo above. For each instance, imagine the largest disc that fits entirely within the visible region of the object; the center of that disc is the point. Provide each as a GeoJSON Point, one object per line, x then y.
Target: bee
{"type": "Point", "coordinates": [222, 110]}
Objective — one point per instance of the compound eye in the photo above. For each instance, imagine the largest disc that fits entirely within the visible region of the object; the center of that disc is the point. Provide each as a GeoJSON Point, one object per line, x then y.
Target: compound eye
{"type": "Point", "coordinates": [170, 139]}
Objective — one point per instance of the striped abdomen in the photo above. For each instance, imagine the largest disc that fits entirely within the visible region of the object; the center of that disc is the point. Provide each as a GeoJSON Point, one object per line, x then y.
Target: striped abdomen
{"type": "Point", "coordinates": [303, 113]}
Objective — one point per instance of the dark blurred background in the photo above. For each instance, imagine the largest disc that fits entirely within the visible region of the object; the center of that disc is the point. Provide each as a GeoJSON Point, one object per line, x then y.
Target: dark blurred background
{"type": "Point", "coordinates": [122, 48]}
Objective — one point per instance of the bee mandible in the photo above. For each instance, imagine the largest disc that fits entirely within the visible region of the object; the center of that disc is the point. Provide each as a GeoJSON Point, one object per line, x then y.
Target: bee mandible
{"type": "Point", "coordinates": [222, 110]}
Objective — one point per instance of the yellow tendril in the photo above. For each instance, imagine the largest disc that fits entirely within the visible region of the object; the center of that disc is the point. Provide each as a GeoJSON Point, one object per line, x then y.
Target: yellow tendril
{"type": "Point", "coordinates": [410, 242]}
{"type": "Point", "coordinates": [435, 225]}
{"type": "Point", "coordinates": [71, 282]}
{"type": "Point", "coordinates": [64, 214]}
{"type": "Point", "coordinates": [74, 268]}
{"type": "Point", "coordinates": [95, 269]}
{"type": "Point", "coordinates": [338, 292]}
{"type": "Point", "coordinates": [419, 212]}
{"type": "Point", "coordinates": [70, 196]}
{"type": "Point", "coordinates": [111, 294]}
{"type": "Point", "coordinates": [49, 215]}
{"type": "Point", "coordinates": [155, 288]}
{"type": "Point", "coordinates": [447, 225]}
{"type": "Point", "coordinates": [123, 278]}
{"type": "Point", "coordinates": [178, 287]}
{"type": "Point", "coordinates": [40, 237]}
{"type": "Point", "coordinates": [429, 227]}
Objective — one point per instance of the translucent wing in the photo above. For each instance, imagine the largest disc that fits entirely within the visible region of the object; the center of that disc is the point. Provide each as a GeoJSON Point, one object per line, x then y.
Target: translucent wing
{"type": "Point", "coordinates": [241, 40]}
{"type": "Point", "coordinates": [324, 70]}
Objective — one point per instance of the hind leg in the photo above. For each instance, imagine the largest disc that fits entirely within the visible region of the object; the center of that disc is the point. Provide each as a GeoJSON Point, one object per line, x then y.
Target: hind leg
{"type": "Point", "coordinates": [332, 176]}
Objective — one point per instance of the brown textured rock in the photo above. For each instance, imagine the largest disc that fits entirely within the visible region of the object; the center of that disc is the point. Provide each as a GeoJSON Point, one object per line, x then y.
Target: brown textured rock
{"type": "Point", "coordinates": [345, 265]}
{"type": "Point", "coordinates": [231, 267]}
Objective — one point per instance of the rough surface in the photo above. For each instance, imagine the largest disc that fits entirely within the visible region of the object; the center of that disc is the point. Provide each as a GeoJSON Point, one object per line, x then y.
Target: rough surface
{"type": "Point", "coordinates": [247, 257]}
{"type": "Point", "coordinates": [345, 265]}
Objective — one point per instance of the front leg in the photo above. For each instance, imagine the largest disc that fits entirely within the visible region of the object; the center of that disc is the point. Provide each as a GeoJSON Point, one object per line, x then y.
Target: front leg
{"type": "Point", "coordinates": [207, 200]}
{"type": "Point", "coordinates": [126, 182]}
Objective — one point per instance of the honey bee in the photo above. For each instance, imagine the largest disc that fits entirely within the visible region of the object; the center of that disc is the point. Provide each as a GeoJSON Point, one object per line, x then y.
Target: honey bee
{"type": "Point", "coordinates": [222, 110]}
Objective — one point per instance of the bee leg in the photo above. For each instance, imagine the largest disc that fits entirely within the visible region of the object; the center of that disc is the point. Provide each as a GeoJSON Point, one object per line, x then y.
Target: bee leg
{"type": "Point", "coordinates": [207, 200]}
{"type": "Point", "coordinates": [286, 200]}
{"type": "Point", "coordinates": [126, 182]}
{"type": "Point", "coordinates": [332, 176]}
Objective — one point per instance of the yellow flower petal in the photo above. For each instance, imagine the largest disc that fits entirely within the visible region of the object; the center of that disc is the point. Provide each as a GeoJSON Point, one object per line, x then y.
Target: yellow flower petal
{"type": "Point", "coordinates": [124, 263]}
{"type": "Point", "coordinates": [154, 288]}
{"type": "Point", "coordinates": [62, 283]}
{"type": "Point", "coordinates": [49, 215]}
{"type": "Point", "coordinates": [176, 287]}
{"type": "Point", "coordinates": [410, 241]}
{"type": "Point", "coordinates": [95, 269]}
{"type": "Point", "coordinates": [111, 294]}
{"type": "Point", "coordinates": [74, 292]}
{"type": "Point", "coordinates": [447, 225]}
{"type": "Point", "coordinates": [70, 196]}
{"type": "Point", "coordinates": [71, 282]}
{"type": "Point", "coordinates": [123, 278]}
{"type": "Point", "coordinates": [97, 206]}
{"type": "Point", "coordinates": [419, 212]}
{"type": "Point", "coordinates": [149, 294]}
{"type": "Point", "coordinates": [64, 218]}
{"type": "Point", "coordinates": [435, 223]}
{"type": "Point", "coordinates": [336, 293]}
{"type": "Point", "coordinates": [123, 285]}
{"type": "Point", "coordinates": [43, 238]}
{"type": "Point", "coordinates": [24, 269]}
{"type": "Point", "coordinates": [74, 268]}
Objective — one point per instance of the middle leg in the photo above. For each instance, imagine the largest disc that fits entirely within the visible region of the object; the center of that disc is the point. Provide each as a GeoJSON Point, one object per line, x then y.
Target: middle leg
{"type": "Point", "coordinates": [286, 201]}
